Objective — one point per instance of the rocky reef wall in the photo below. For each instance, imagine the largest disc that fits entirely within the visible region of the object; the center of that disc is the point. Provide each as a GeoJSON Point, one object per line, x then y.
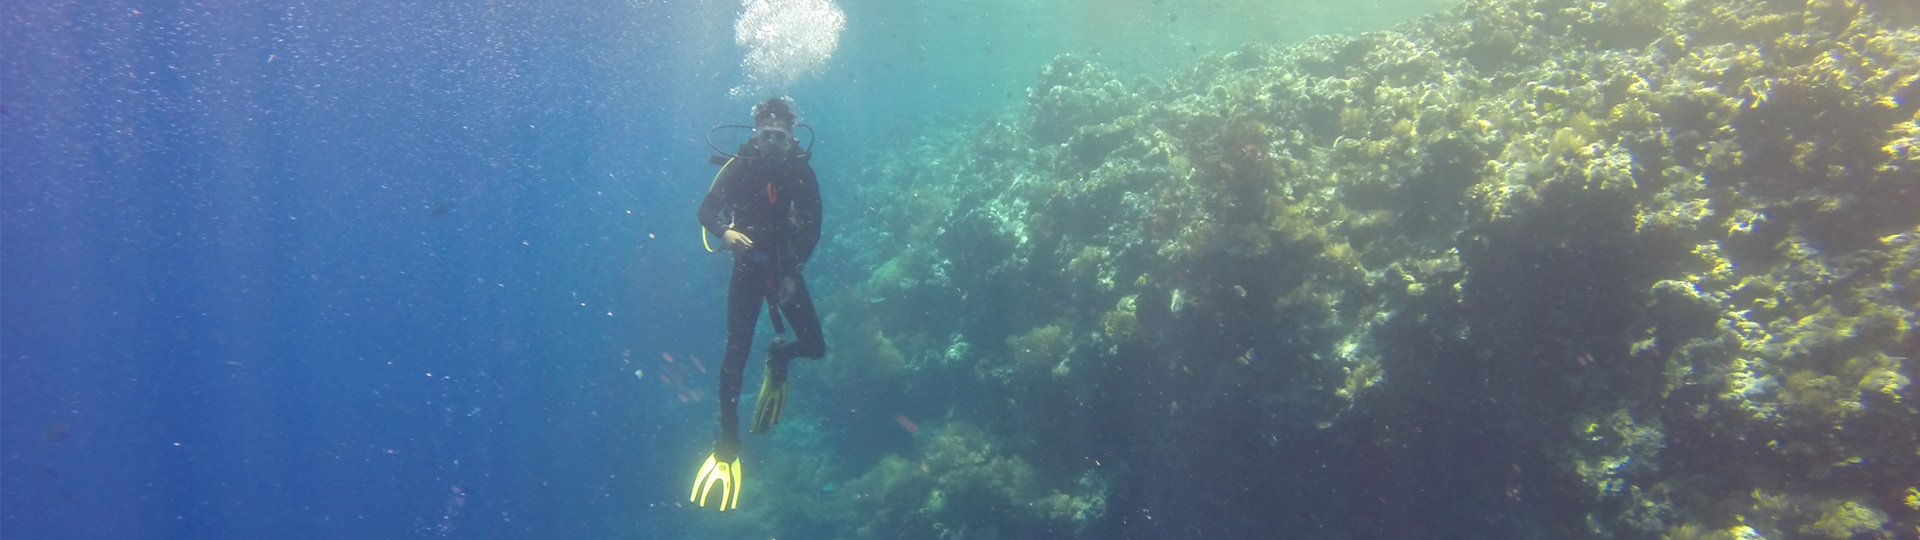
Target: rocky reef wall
{"type": "Point", "coordinates": [1526, 269]}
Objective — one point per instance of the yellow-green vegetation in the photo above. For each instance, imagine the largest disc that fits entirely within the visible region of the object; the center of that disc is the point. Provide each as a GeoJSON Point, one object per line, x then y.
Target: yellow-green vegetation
{"type": "Point", "coordinates": [1040, 349]}
{"type": "Point", "coordinates": [1610, 449]}
{"type": "Point", "coordinates": [869, 354]}
{"type": "Point", "coordinates": [1845, 520]}
{"type": "Point", "coordinates": [889, 276]}
{"type": "Point", "coordinates": [1360, 376]}
{"type": "Point", "coordinates": [964, 463]}
{"type": "Point", "coordinates": [1297, 222]}
{"type": "Point", "coordinates": [963, 483]}
{"type": "Point", "coordinates": [1691, 531]}
{"type": "Point", "coordinates": [1121, 324]}
{"type": "Point", "coordinates": [1093, 265]}
{"type": "Point", "coordinates": [1353, 122]}
{"type": "Point", "coordinates": [895, 480]}
{"type": "Point", "coordinates": [974, 483]}
{"type": "Point", "coordinates": [1836, 396]}
{"type": "Point", "coordinates": [1822, 393]}
{"type": "Point", "coordinates": [1573, 138]}
{"type": "Point", "coordinates": [1088, 261]}
{"type": "Point", "coordinates": [1784, 514]}
{"type": "Point", "coordinates": [886, 355]}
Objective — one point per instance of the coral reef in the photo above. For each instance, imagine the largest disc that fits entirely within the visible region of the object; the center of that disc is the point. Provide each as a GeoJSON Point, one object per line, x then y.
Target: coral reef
{"type": "Point", "coordinates": [1529, 268]}
{"type": "Point", "coordinates": [961, 486]}
{"type": "Point", "coordinates": [1044, 348]}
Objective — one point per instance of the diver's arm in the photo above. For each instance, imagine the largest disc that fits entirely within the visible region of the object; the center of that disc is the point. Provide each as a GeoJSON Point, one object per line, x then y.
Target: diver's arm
{"type": "Point", "coordinates": [710, 218]}
{"type": "Point", "coordinates": [710, 215]}
{"type": "Point", "coordinates": [807, 208]}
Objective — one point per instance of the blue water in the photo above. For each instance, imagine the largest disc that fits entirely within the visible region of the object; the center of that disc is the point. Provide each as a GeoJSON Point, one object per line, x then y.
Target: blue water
{"type": "Point", "coordinates": [385, 269]}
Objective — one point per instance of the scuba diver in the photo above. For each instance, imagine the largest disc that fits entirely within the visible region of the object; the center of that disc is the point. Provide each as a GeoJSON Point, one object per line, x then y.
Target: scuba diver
{"type": "Point", "coordinates": [764, 206]}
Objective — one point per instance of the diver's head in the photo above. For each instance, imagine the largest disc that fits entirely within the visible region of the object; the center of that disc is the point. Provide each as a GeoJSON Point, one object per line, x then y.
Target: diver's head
{"type": "Point", "coordinates": [775, 112]}
{"type": "Point", "coordinates": [773, 122]}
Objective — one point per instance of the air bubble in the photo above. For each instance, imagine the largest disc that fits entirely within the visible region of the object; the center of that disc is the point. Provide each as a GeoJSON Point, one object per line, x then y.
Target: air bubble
{"type": "Point", "coordinates": [787, 39]}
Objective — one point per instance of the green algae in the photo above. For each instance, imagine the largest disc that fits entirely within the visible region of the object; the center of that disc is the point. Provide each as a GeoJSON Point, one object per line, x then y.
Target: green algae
{"type": "Point", "coordinates": [1850, 519]}
{"type": "Point", "coordinates": [1041, 349]}
{"type": "Point", "coordinates": [1122, 324]}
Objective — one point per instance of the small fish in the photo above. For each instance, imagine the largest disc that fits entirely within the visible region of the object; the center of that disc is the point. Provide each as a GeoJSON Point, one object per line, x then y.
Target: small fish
{"type": "Point", "coordinates": [1239, 291]}
{"type": "Point", "coordinates": [638, 374]}
{"type": "Point", "coordinates": [907, 424]}
{"type": "Point", "coordinates": [1245, 358]}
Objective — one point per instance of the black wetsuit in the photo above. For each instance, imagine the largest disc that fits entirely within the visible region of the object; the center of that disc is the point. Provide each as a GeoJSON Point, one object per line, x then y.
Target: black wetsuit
{"type": "Point", "coordinates": [775, 201]}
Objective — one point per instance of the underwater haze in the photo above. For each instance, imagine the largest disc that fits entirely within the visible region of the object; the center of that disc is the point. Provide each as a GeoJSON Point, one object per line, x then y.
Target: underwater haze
{"type": "Point", "coordinates": [1096, 269]}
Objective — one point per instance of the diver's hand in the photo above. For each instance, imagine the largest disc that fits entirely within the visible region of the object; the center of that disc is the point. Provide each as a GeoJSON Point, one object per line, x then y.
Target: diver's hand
{"type": "Point", "coordinates": [737, 241]}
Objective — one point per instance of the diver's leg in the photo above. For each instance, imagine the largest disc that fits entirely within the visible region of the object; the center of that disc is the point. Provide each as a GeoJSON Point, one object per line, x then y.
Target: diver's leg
{"type": "Point", "coordinates": [797, 305]}
{"type": "Point", "coordinates": [744, 294]}
{"type": "Point", "coordinates": [722, 468]}
{"type": "Point", "coordinates": [791, 295]}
